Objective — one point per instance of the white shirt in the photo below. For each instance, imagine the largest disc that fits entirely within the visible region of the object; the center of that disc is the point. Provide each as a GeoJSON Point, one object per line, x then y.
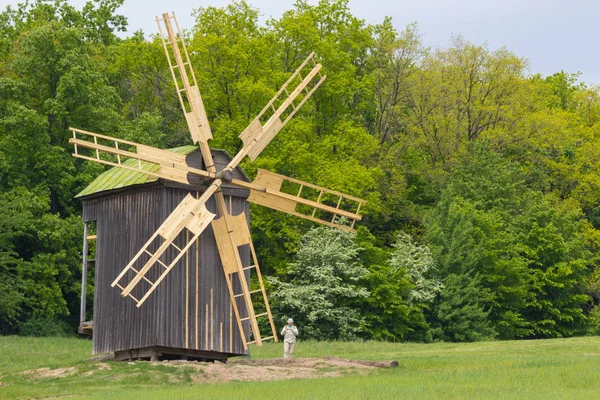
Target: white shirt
{"type": "Point", "coordinates": [289, 333]}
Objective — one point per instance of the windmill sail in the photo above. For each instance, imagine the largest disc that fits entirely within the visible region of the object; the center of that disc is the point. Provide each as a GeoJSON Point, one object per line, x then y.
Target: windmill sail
{"type": "Point", "coordinates": [181, 70]}
{"type": "Point", "coordinates": [304, 200]}
{"type": "Point", "coordinates": [283, 105]}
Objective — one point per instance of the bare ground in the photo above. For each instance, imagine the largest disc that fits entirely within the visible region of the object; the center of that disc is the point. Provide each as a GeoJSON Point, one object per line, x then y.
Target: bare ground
{"type": "Point", "coordinates": [271, 369]}
{"type": "Point", "coordinates": [242, 369]}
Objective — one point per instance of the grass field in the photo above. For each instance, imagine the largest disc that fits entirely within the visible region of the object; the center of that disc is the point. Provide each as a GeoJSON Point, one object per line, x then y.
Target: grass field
{"type": "Point", "coordinates": [542, 369]}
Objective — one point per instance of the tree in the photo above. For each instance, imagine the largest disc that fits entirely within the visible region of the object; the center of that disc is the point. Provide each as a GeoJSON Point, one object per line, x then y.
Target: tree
{"type": "Point", "coordinates": [511, 243]}
{"type": "Point", "coordinates": [461, 311]}
{"type": "Point", "coordinates": [418, 262]}
{"type": "Point", "coordinates": [324, 288]}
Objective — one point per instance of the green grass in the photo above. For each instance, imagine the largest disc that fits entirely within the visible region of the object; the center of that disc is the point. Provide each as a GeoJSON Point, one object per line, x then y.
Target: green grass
{"type": "Point", "coordinates": [541, 369]}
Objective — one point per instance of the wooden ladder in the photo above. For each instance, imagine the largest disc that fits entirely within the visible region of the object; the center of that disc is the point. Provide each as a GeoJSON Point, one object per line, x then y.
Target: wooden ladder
{"type": "Point", "coordinates": [238, 225]}
{"type": "Point", "coordinates": [181, 70]}
{"type": "Point", "coordinates": [328, 208]}
{"type": "Point", "coordinates": [282, 107]}
{"type": "Point", "coordinates": [257, 335]}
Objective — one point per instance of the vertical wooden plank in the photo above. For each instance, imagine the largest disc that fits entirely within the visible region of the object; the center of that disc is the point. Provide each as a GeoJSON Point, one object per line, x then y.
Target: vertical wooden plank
{"type": "Point", "coordinates": [212, 321]}
{"type": "Point", "coordinates": [206, 334]}
{"type": "Point", "coordinates": [221, 338]}
{"type": "Point", "coordinates": [230, 327]}
{"type": "Point", "coordinates": [197, 244]}
{"type": "Point", "coordinates": [187, 298]}
{"type": "Point", "coordinates": [84, 257]}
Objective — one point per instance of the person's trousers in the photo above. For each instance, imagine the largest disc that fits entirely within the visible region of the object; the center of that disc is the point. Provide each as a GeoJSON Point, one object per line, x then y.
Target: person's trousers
{"type": "Point", "coordinates": [288, 349]}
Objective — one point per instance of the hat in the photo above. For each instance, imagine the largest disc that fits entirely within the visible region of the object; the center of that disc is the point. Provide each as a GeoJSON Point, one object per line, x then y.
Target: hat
{"type": "Point", "coordinates": [290, 320]}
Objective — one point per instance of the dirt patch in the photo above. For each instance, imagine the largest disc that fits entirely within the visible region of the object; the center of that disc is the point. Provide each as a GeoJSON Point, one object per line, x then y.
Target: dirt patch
{"type": "Point", "coordinates": [240, 369]}
{"type": "Point", "coordinates": [99, 367]}
{"type": "Point", "coordinates": [102, 357]}
{"type": "Point", "coordinates": [42, 373]}
{"type": "Point", "coordinates": [2, 384]}
{"type": "Point", "coordinates": [269, 369]}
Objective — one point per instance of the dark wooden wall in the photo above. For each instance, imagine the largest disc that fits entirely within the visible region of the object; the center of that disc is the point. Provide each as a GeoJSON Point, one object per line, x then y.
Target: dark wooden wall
{"type": "Point", "coordinates": [191, 308]}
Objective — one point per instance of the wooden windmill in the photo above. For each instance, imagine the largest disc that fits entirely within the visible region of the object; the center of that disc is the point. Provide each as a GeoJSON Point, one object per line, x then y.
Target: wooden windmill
{"type": "Point", "coordinates": [139, 279]}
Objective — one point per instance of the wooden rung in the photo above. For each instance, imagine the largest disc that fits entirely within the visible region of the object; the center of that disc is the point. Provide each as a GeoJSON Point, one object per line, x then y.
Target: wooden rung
{"type": "Point", "coordinates": [158, 261]}
{"type": "Point", "coordinates": [91, 237]}
{"type": "Point", "coordinates": [143, 277]}
{"type": "Point", "coordinates": [318, 202]}
{"type": "Point", "coordinates": [253, 291]}
{"type": "Point", "coordinates": [136, 300]}
{"type": "Point", "coordinates": [250, 267]}
{"type": "Point", "coordinates": [174, 245]}
{"type": "Point", "coordinates": [256, 316]}
{"type": "Point", "coordinates": [177, 65]}
{"type": "Point", "coordinates": [337, 207]}
{"type": "Point", "coordinates": [130, 295]}
{"type": "Point", "coordinates": [266, 338]}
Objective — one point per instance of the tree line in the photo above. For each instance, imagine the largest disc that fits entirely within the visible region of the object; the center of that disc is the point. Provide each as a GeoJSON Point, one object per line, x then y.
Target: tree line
{"type": "Point", "coordinates": [481, 178]}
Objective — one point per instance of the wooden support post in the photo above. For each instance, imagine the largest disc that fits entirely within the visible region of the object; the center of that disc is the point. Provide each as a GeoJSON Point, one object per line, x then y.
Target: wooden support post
{"type": "Point", "coordinates": [197, 244]}
{"type": "Point", "coordinates": [187, 296]}
{"type": "Point", "coordinates": [212, 321]}
{"type": "Point", "coordinates": [221, 338]}
{"type": "Point", "coordinates": [206, 329]}
{"type": "Point", "coordinates": [82, 307]}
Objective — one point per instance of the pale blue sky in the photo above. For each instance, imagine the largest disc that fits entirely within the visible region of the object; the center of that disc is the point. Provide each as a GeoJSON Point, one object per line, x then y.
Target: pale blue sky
{"type": "Point", "coordinates": [552, 34]}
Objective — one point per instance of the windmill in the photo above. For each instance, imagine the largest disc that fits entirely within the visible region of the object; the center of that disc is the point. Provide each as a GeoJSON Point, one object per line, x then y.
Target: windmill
{"type": "Point", "coordinates": [231, 232]}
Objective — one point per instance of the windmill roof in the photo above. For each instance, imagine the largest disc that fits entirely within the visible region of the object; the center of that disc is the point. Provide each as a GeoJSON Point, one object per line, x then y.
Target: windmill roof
{"type": "Point", "coordinates": [116, 178]}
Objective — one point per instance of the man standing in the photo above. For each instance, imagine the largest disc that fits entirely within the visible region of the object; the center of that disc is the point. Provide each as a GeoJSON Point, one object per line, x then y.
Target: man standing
{"type": "Point", "coordinates": [289, 333]}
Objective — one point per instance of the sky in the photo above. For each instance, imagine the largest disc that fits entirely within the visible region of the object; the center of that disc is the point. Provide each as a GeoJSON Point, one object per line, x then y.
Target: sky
{"type": "Point", "coordinates": [553, 35]}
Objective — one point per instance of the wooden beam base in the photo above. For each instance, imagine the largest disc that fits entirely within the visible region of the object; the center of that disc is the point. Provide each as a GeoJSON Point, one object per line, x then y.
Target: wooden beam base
{"type": "Point", "coordinates": [86, 328]}
{"type": "Point", "coordinates": [160, 353]}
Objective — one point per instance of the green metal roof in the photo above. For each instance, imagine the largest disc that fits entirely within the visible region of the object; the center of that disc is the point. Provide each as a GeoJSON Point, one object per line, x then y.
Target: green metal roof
{"type": "Point", "coordinates": [116, 177]}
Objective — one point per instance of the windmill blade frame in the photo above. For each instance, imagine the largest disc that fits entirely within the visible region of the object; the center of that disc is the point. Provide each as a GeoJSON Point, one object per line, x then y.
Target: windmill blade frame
{"type": "Point", "coordinates": [171, 166]}
{"type": "Point", "coordinates": [266, 190]}
{"type": "Point", "coordinates": [257, 135]}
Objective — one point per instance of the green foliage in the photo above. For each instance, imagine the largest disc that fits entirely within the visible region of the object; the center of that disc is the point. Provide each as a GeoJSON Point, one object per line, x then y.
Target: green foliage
{"type": "Point", "coordinates": [594, 322]}
{"type": "Point", "coordinates": [418, 262]}
{"type": "Point", "coordinates": [45, 327]}
{"type": "Point", "coordinates": [461, 313]}
{"type": "Point", "coordinates": [520, 244]}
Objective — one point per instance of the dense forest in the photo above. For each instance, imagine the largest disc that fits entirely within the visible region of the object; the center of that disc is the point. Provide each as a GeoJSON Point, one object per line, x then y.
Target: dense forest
{"type": "Point", "coordinates": [481, 178]}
